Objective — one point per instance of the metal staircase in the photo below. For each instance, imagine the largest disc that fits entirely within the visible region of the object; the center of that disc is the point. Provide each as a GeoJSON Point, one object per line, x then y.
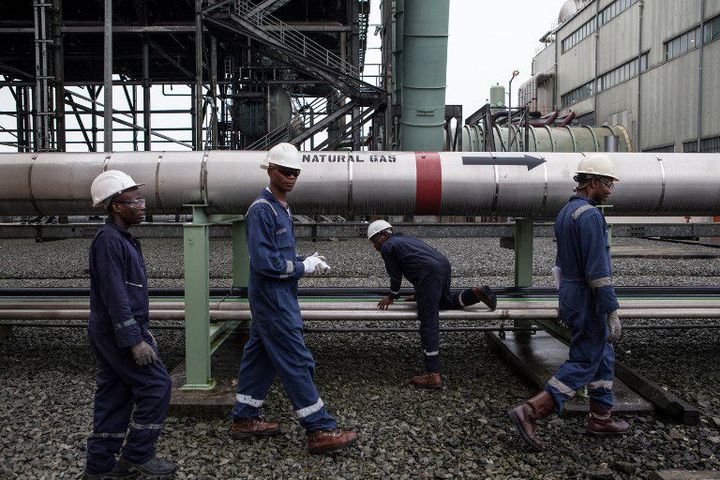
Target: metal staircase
{"type": "Point", "coordinates": [291, 47]}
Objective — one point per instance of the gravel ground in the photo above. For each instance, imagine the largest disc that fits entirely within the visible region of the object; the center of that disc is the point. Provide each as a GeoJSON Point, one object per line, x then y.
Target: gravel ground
{"type": "Point", "coordinates": [46, 383]}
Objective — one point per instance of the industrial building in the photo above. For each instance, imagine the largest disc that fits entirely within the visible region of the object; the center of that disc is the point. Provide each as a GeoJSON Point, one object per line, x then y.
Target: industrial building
{"type": "Point", "coordinates": [651, 66]}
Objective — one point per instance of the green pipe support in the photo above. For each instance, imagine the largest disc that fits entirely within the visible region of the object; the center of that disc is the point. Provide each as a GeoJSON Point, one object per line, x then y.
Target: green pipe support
{"type": "Point", "coordinates": [523, 266]}
{"type": "Point", "coordinates": [424, 72]}
{"type": "Point", "coordinates": [196, 245]}
{"type": "Point", "coordinates": [240, 255]}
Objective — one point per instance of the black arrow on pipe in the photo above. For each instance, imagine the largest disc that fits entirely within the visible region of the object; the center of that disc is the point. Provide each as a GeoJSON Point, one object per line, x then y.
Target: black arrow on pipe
{"type": "Point", "coordinates": [528, 161]}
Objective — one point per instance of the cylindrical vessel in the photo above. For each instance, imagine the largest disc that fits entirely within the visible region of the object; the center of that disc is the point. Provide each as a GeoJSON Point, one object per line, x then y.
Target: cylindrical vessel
{"type": "Point", "coordinates": [364, 183]}
{"type": "Point", "coordinates": [547, 139]}
{"type": "Point", "coordinates": [425, 40]}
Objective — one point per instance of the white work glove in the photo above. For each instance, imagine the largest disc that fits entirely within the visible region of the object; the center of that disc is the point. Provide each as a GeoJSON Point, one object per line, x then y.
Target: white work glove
{"type": "Point", "coordinates": [317, 255]}
{"type": "Point", "coordinates": [322, 268]}
{"type": "Point", "coordinates": [614, 327]}
{"type": "Point", "coordinates": [311, 263]}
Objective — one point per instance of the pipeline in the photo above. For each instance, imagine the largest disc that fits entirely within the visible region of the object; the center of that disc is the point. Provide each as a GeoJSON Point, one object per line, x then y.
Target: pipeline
{"type": "Point", "coordinates": [354, 292]}
{"type": "Point", "coordinates": [543, 138]}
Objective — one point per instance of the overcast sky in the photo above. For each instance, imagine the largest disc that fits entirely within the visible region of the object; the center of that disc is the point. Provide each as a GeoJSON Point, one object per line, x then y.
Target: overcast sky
{"type": "Point", "coordinates": [488, 40]}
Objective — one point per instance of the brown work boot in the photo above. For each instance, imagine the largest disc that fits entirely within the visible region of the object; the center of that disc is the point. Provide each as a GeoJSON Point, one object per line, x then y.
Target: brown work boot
{"type": "Point", "coordinates": [324, 441]}
{"type": "Point", "coordinates": [601, 424]}
{"type": "Point", "coordinates": [253, 427]}
{"type": "Point", "coordinates": [487, 296]}
{"type": "Point", "coordinates": [427, 380]}
{"type": "Point", "coordinates": [525, 414]}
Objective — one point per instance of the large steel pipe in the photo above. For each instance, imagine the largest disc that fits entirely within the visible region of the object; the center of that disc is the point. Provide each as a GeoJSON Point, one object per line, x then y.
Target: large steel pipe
{"type": "Point", "coordinates": [379, 315]}
{"type": "Point", "coordinates": [384, 183]}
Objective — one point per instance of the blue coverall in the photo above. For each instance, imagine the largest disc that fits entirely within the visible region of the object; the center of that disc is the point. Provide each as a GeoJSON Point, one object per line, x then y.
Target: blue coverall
{"type": "Point", "coordinates": [429, 272]}
{"type": "Point", "coordinates": [119, 315]}
{"type": "Point", "coordinates": [276, 344]}
{"type": "Point", "coordinates": [586, 297]}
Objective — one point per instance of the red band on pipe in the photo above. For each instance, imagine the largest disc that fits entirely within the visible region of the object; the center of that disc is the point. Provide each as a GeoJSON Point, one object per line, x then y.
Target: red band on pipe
{"type": "Point", "coordinates": [428, 195]}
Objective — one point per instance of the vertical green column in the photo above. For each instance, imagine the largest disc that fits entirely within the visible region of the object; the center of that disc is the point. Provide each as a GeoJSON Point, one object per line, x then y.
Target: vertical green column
{"type": "Point", "coordinates": [240, 256]}
{"type": "Point", "coordinates": [523, 266]}
{"type": "Point", "coordinates": [523, 252]}
{"type": "Point", "coordinates": [196, 238]}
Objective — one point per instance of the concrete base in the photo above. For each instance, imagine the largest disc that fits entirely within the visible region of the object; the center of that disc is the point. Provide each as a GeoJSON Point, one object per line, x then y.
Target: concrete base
{"type": "Point", "coordinates": [666, 252]}
{"type": "Point", "coordinates": [537, 359]}
{"type": "Point", "coordinates": [685, 475]}
{"type": "Point", "coordinates": [218, 402]}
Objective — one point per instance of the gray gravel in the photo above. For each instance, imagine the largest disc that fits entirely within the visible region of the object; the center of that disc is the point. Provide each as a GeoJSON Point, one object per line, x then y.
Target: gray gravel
{"type": "Point", "coordinates": [46, 383]}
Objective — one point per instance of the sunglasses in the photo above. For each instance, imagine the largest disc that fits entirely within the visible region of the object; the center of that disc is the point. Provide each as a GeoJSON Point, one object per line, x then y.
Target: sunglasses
{"type": "Point", "coordinates": [609, 184]}
{"type": "Point", "coordinates": [138, 203]}
{"type": "Point", "coordinates": [288, 172]}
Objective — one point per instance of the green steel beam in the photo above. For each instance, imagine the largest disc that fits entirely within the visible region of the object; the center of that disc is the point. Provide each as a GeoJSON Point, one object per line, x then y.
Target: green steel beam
{"type": "Point", "coordinates": [523, 252]}
{"type": "Point", "coordinates": [196, 244]}
{"type": "Point", "coordinates": [240, 255]}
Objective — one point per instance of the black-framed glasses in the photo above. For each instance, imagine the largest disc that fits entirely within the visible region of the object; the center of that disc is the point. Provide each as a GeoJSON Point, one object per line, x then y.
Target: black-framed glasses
{"type": "Point", "coordinates": [137, 203]}
{"type": "Point", "coordinates": [608, 183]}
{"type": "Point", "coordinates": [288, 172]}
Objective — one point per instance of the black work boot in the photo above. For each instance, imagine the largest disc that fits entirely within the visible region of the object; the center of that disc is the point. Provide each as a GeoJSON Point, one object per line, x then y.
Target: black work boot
{"type": "Point", "coordinates": [525, 414]}
{"type": "Point", "coordinates": [157, 468]}
{"type": "Point", "coordinates": [601, 424]}
{"type": "Point", "coordinates": [118, 471]}
{"type": "Point", "coordinates": [486, 296]}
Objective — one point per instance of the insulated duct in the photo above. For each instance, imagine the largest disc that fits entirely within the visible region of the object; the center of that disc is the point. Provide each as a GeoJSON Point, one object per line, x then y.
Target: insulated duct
{"type": "Point", "coordinates": [424, 59]}
{"type": "Point", "coordinates": [546, 139]}
{"type": "Point", "coordinates": [364, 183]}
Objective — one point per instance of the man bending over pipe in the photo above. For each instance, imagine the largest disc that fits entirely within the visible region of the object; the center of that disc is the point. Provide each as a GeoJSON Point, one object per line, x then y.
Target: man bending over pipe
{"type": "Point", "coordinates": [429, 272]}
{"type": "Point", "coordinates": [588, 306]}
{"type": "Point", "coordinates": [276, 345]}
{"type": "Point", "coordinates": [131, 379]}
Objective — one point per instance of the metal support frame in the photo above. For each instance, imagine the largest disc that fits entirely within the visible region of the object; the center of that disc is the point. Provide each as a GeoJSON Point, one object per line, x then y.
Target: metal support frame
{"type": "Point", "coordinates": [107, 78]}
{"type": "Point", "coordinates": [523, 266]}
{"type": "Point", "coordinates": [202, 337]}
{"type": "Point", "coordinates": [196, 248]}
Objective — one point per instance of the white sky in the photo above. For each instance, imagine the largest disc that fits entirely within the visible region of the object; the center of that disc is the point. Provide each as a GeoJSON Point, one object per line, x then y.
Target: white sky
{"type": "Point", "coordinates": [488, 40]}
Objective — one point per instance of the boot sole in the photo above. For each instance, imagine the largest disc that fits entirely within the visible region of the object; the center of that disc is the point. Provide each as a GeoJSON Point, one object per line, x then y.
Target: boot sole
{"type": "Point", "coordinates": [136, 469]}
{"type": "Point", "coordinates": [605, 434]}
{"type": "Point", "coordinates": [334, 448]}
{"type": "Point", "coordinates": [245, 436]}
{"type": "Point", "coordinates": [518, 427]}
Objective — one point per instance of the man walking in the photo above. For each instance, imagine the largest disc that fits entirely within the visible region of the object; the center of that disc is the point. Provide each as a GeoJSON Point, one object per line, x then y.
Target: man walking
{"type": "Point", "coordinates": [588, 306]}
{"type": "Point", "coordinates": [132, 381]}
{"type": "Point", "coordinates": [276, 344]}
{"type": "Point", "coordinates": [429, 272]}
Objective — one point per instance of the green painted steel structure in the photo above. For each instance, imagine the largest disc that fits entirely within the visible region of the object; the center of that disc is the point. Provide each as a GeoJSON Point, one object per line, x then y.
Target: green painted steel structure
{"type": "Point", "coordinates": [546, 139]}
{"type": "Point", "coordinates": [424, 60]}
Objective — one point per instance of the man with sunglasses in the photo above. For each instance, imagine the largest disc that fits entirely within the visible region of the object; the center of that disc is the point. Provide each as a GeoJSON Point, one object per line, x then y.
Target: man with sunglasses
{"type": "Point", "coordinates": [276, 345]}
{"type": "Point", "coordinates": [133, 385]}
{"type": "Point", "coordinates": [588, 306]}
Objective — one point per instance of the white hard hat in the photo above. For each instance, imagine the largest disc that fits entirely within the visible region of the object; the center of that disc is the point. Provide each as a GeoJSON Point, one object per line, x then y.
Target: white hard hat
{"type": "Point", "coordinates": [283, 155]}
{"type": "Point", "coordinates": [376, 227]}
{"type": "Point", "coordinates": [598, 164]}
{"type": "Point", "coordinates": [110, 183]}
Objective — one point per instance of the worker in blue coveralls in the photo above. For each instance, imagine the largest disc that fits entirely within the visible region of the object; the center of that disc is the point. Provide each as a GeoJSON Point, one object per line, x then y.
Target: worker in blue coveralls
{"type": "Point", "coordinates": [133, 385]}
{"type": "Point", "coordinates": [588, 306]}
{"type": "Point", "coordinates": [276, 345]}
{"type": "Point", "coordinates": [429, 272]}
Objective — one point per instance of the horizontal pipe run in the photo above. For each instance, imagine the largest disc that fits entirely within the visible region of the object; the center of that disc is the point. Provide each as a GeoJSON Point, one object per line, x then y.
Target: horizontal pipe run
{"type": "Point", "coordinates": [379, 315]}
{"type": "Point", "coordinates": [360, 306]}
{"type": "Point", "coordinates": [353, 292]}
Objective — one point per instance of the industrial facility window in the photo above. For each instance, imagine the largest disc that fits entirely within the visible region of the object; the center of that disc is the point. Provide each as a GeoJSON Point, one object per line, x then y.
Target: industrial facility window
{"type": "Point", "coordinates": [623, 72]}
{"type": "Point", "coordinates": [580, 34]}
{"type": "Point", "coordinates": [707, 145]}
{"type": "Point", "coordinates": [580, 93]}
{"type": "Point", "coordinates": [613, 10]}
{"type": "Point", "coordinates": [585, 119]}
{"type": "Point", "coordinates": [682, 43]}
{"type": "Point", "coordinates": [663, 149]}
{"type": "Point", "coordinates": [712, 29]}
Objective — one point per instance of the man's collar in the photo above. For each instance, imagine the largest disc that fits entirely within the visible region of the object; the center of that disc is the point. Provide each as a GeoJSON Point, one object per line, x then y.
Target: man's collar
{"type": "Point", "coordinates": [269, 194]}
{"type": "Point", "coordinates": [117, 227]}
{"type": "Point", "coordinates": [583, 197]}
